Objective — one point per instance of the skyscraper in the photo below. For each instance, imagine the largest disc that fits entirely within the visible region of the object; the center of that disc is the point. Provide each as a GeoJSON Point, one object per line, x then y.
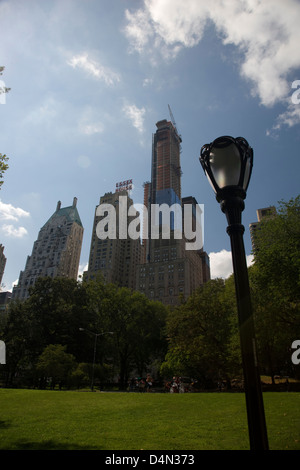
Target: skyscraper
{"type": "Point", "coordinates": [262, 214]}
{"type": "Point", "coordinates": [56, 252]}
{"type": "Point", "coordinates": [2, 262]}
{"type": "Point", "coordinates": [169, 270]}
{"type": "Point", "coordinates": [165, 185]}
{"type": "Point", "coordinates": [115, 256]}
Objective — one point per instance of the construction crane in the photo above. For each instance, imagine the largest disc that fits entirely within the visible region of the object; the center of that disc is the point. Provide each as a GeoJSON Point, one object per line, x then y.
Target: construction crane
{"type": "Point", "coordinates": [173, 122]}
{"type": "Point", "coordinates": [178, 168]}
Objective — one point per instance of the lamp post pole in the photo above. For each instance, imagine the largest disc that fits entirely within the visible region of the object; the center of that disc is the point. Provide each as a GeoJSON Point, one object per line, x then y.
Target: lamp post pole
{"type": "Point", "coordinates": [95, 347]}
{"type": "Point", "coordinates": [254, 400]}
{"type": "Point", "coordinates": [227, 162]}
{"type": "Point", "coordinates": [94, 359]}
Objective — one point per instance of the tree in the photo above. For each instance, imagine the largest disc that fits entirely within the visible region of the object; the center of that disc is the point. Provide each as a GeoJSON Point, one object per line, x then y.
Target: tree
{"type": "Point", "coordinates": [55, 364]}
{"type": "Point", "coordinates": [199, 333]}
{"type": "Point", "coordinates": [80, 376]}
{"type": "Point", "coordinates": [16, 335]}
{"type": "Point", "coordinates": [3, 89]}
{"type": "Point", "coordinates": [83, 374]}
{"type": "Point", "coordinates": [136, 322]}
{"type": "Point", "coordinates": [3, 166]}
{"type": "Point", "coordinates": [53, 314]}
{"type": "Point", "coordinates": [59, 309]}
{"type": "Point", "coordinates": [3, 158]}
{"type": "Point", "coordinates": [275, 281]}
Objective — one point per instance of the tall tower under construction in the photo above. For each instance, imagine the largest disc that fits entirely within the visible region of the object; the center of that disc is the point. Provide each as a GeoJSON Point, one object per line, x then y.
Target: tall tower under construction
{"type": "Point", "coordinates": [168, 271]}
{"type": "Point", "coordinates": [165, 185]}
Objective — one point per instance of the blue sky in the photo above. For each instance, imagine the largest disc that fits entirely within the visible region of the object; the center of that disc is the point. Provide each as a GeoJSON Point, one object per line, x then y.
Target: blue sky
{"type": "Point", "coordinates": [89, 80]}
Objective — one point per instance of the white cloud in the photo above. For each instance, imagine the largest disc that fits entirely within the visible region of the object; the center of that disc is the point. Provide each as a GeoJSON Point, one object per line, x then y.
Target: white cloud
{"type": "Point", "coordinates": [136, 116]}
{"type": "Point", "coordinates": [90, 121]}
{"type": "Point", "coordinates": [10, 231]}
{"type": "Point", "coordinates": [44, 113]}
{"type": "Point", "coordinates": [266, 33]}
{"type": "Point", "coordinates": [290, 117]}
{"type": "Point", "coordinates": [10, 213]}
{"type": "Point", "coordinates": [94, 69]}
{"type": "Point", "coordinates": [147, 82]}
{"type": "Point", "coordinates": [139, 29]}
{"type": "Point", "coordinates": [221, 264]}
{"type": "Point", "coordinates": [83, 161]}
{"type": "Point", "coordinates": [92, 128]}
{"type": "Point", "coordinates": [82, 267]}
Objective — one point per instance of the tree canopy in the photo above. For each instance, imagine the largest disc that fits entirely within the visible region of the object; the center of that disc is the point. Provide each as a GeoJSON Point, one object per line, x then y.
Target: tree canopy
{"type": "Point", "coordinates": [69, 313]}
{"type": "Point", "coordinates": [3, 89]}
{"type": "Point", "coordinates": [200, 334]}
{"type": "Point", "coordinates": [199, 338]}
{"type": "Point", "coordinates": [3, 167]}
{"type": "Point", "coordinates": [275, 282]}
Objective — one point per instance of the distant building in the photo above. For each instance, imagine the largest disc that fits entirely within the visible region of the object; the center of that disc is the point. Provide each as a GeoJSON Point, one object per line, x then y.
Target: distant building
{"type": "Point", "coordinates": [168, 271]}
{"type": "Point", "coordinates": [5, 298]}
{"type": "Point", "coordinates": [56, 252]}
{"type": "Point", "coordinates": [114, 258]}
{"type": "Point", "coordinates": [2, 262]}
{"type": "Point", "coordinates": [262, 214]}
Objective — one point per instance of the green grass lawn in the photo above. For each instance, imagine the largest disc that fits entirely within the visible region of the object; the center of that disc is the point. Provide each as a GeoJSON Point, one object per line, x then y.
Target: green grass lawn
{"type": "Point", "coordinates": [34, 419]}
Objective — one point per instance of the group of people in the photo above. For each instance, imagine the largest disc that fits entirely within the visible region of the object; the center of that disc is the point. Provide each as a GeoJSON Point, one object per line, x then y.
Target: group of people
{"type": "Point", "coordinates": [141, 384]}
{"type": "Point", "coordinates": [178, 385]}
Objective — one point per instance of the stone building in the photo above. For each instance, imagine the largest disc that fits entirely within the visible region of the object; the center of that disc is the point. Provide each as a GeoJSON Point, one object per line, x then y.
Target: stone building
{"type": "Point", "coordinates": [262, 214]}
{"type": "Point", "coordinates": [56, 252]}
{"type": "Point", "coordinates": [2, 262]}
{"type": "Point", "coordinates": [114, 255]}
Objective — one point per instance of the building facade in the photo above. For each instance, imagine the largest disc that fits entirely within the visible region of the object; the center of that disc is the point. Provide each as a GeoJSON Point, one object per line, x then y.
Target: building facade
{"type": "Point", "coordinates": [169, 271]}
{"type": "Point", "coordinates": [114, 256]}
{"type": "Point", "coordinates": [165, 185]}
{"type": "Point", "coordinates": [56, 252]}
{"type": "Point", "coordinates": [2, 262]}
{"type": "Point", "coordinates": [5, 298]}
{"type": "Point", "coordinates": [262, 214]}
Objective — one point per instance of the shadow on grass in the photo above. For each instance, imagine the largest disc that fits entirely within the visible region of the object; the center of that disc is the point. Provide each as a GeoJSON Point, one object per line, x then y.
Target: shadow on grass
{"type": "Point", "coordinates": [49, 445]}
{"type": "Point", "coordinates": [4, 424]}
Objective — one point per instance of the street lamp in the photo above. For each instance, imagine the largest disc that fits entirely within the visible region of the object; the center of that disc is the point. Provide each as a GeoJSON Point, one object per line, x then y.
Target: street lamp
{"type": "Point", "coordinates": [227, 163]}
{"type": "Point", "coordinates": [95, 346]}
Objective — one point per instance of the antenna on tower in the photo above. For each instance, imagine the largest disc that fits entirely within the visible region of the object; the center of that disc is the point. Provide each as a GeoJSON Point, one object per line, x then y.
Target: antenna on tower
{"type": "Point", "coordinates": [173, 122]}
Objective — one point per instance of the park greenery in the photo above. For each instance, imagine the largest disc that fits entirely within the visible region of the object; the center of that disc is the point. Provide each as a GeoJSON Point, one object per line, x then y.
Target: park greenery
{"type": "Point", "coordinates": [42, 420]}
{"type": "Point", "coordinates": [3, 167]}
{"type": "Point", "coordinates": [3, 158]}
{"type": "Point", "coordinates": [50, 336]}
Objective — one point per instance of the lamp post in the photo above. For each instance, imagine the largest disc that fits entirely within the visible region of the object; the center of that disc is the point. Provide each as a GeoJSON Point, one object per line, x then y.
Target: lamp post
{"type": "Point", "coordinates": [227, 163]}
{"type": "Point", "coordinates": [95, 346]}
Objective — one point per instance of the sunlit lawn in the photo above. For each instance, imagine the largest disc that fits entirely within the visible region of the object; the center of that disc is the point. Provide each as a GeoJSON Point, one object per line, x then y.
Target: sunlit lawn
{"type": "Point", "coordinates": [34, 419]}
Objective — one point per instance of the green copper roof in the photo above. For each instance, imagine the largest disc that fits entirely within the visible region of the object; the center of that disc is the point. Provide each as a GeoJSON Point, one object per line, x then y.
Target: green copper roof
{"type": "Point", "coordinates": [70, 212]}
